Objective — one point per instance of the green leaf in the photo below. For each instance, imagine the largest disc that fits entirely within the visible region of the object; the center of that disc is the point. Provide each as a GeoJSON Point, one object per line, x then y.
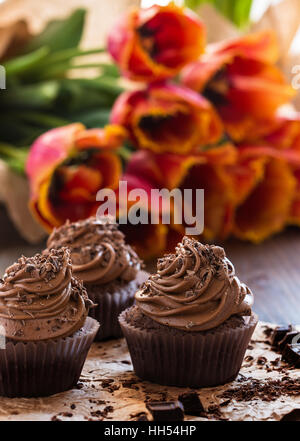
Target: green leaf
{"type": "Point", "coordinates": [110, 70]}
{"type": "Point", "coordinates": [18, 132]}
{"type": "Point", "coordinates": [14, 157]}
{"type": "Point", "coordinates": [33, 96]}
{"type": "Point", "coordinates": [60, 34]}
{"type": "Point", "coordinates": [59, 63]}
{"type": "Point", "coordinates": [238, 11]}
{"type": "Point", "coordinates": [242, 12]}
{"type": "Point", "coordinates": [76, 96]}
{"type": "Point", "coordinates": [102, 84]}
{"type": "Point", "coordinates": [25, 63]}
{"type": "Point", "coordinates": [40, 119]}
{"type": "Point", "coordinates": [93, 117]}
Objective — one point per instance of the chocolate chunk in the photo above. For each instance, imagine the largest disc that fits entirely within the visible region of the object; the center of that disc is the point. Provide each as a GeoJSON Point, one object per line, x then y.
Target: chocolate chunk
{"type": "Point", "coordinates": [279, 333]}
{"type": "Point", "coordinates": [287, 339]}
{"type": "Point", "coordinates": [142, 418]}
{"type": "Point", "coordinates": [166, 410]}
{"type": "Point", "coordinates": [262, 361]}
{"type": "Point", "coordinates": [191, 403]}
{"type": "Point", "coordinates": [291, 355]}
{"type": "Point", "coordinates": [294, 415]}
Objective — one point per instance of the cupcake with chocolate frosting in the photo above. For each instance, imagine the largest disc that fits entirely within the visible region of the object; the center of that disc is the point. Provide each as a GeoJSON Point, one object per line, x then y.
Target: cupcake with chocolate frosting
{"type": "Point", "coordinates": [45, 333]}
{"type": "Point", "coordinates": [108, 267]}
{"type": "Point", "coordinates": [192, 321]}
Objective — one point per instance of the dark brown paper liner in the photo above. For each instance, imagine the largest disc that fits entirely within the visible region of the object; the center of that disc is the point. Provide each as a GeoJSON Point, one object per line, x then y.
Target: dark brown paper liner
{"type": "Point", "coordinates": [198, 360]}
{"type": "Point", "coordinates": [36, 369]}
{"type": "Point", "coordinates": [111, 304]}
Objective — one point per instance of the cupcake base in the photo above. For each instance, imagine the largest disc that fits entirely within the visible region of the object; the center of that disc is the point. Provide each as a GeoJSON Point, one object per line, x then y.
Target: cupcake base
{"type": "Point", "coordinates": [111, 299]}
{"type": "Point", "coordinates": [37, 369]}
{"type": "Point", "coordinates": [189, 359]}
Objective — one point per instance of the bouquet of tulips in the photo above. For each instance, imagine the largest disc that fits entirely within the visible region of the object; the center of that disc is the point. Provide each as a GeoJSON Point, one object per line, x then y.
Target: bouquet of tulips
{"type": "Point", "coordinates": [199, 116]}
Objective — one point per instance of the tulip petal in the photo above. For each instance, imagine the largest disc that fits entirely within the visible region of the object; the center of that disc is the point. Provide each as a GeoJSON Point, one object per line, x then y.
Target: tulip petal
{"type": "Point", "coordinates": [167, 118]}
{"type": "Point", "coordinates": [266, 209]}
{"type": "Point", "coordinates": [285, 134]}
{"type": "Point", "coordinates": [218, 198]}
{"type": "Point", "coordinates": [242, 81]}
{"type": "Point", "coordinates": [149, 241]}
{"type": "Point", "coordinates": [155, 43]}
{"type": "Point", "coordinates": [259, 96]}
{"type": "Point", "coordinates": [110, 137]}
{"type": "Point", "coordinates": [49, 150]}
{"type": "Point", "coordinates": [66, 168]}
{"type": "Point", "coordinates": [294, 217]}
{"type": "Point", "coordinates": [260, 46]}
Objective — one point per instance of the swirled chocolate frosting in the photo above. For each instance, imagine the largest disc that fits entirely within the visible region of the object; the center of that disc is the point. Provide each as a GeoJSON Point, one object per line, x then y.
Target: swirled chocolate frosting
{"type": "Point", "coordinates": [98, 250]}
{"type": "Point", "coordinates": [40, 300]}
{"type": "Point", "coordinates": [195, 289]}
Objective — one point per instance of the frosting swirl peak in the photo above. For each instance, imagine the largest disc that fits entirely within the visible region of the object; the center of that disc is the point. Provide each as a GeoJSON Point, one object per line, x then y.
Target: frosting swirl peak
{"type": "Point", "coordinates": [98, 250]}
{"type": "Point", "coordinates": [40, 300]}
{"type": "Point", "coordinates": [195, 289]}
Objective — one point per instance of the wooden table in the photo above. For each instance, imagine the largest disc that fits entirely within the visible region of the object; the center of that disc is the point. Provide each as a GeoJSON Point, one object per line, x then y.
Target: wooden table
{"type": "Point", "coordinates": [271, 269]}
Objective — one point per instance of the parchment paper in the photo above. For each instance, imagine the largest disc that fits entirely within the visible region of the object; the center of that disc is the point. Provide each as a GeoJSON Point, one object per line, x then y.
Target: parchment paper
{"type": "Point", "coordinates": [108, 389]}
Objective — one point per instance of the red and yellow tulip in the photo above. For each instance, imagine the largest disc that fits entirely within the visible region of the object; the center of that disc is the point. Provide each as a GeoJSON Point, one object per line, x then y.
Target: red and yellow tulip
{"type": "Point", "coordinates": [266, 209]}
{"type": "Point", "coordinates": [204, 170]}
{"type": "Point", "coordinates": [218, 130]}
{"type": "Point", "coordinates": [66, 168]}
{"type": "Point", "coordinates": [156, 43]}
{"type": "Point", "coordinates": [240, 78]}
{"type": "Point", "coordinates": [285, 138]}
{"type": "Point", "coordinates": [167, 118]}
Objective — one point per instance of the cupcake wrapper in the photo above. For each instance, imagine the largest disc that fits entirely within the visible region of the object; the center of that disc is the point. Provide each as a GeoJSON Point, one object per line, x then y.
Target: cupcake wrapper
{"type": "Point", "coordinates": [201, 360]}
{"type": "Point", "coordinates": [109, 306]}
{"type": "Point", "coordinates": [36, 369]}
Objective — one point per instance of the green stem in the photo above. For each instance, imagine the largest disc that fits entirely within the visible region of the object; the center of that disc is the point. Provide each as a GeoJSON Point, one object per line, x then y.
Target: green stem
{"type": "Point", "coordinates": [26, 62]}
{"type": "Point", "coordinates": [68, 54]}
{"type": "Point", "coordinates": [124, 153]}
{"type": "Point", "coordinates": [11, 151]}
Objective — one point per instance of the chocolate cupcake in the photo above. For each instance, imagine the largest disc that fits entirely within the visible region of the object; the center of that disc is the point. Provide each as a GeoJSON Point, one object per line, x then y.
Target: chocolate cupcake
{"type": "Point", "coordinates": [108, 267]}
{"type": "Point", "coordinates": [192, 322]}
{"type": "Point", "coordinates": [44, 329]}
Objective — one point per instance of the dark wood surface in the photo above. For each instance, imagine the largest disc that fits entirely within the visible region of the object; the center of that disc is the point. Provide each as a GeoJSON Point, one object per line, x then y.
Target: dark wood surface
{"type": "Point", "coordinates": [271, 269]}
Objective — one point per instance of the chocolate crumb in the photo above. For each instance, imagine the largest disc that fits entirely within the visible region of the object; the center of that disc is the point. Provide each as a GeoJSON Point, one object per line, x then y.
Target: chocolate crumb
{"type": "Point", "coordinates": [266, 391]}
{"type": "Point", "coordinates": [261, 361]}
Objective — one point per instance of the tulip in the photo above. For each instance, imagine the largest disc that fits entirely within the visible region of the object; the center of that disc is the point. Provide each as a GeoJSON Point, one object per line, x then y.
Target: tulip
{"type": "Point", "coordinates": [204, 170]}
{"type": "Point", "coordinates": [155, 43]}
{"type": "Point", "coordinates": [150, 240]}
{"type": "Point", "coordinates": [249, 190]}
{"type": "Point", "coordinates": [285, 134]}
{"type": "Point", "coordinates": [167, 118]}
{"type": "Point", "coordinates": [66, 168]}
{"type": "Point", "coordinates": [264, 208]}
{"type": "Point", "coordinates": [286, 139]}
{"type": "Point", "coordinates": [242, 81]}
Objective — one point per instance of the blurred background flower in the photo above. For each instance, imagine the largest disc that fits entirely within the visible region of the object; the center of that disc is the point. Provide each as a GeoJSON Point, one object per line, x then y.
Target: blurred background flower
{"type": "Point", "coordinates": [172, 98]}
{"type": "Point", "coordinates": [167, 118]}
{"type": "Point", "coordinates": [154, 44]}
{"type": "Point", "coordinates": [66, 168]}
{"type": "Point", "coordinates": [241, 79]}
